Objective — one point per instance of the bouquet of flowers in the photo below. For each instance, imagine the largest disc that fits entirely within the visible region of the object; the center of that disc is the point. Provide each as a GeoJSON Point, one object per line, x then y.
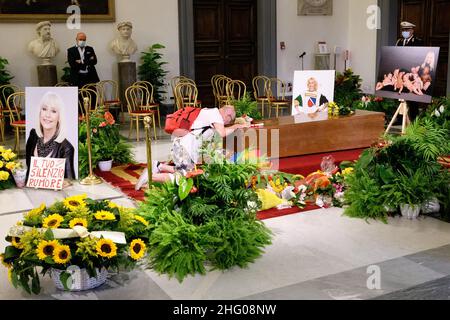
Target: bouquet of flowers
{"type": "Point", "coordinates": [107, 143]}
{"type": "Point", "coordinates": [8, 164]}
{"type": "Point", "coordinates": [76, 240]}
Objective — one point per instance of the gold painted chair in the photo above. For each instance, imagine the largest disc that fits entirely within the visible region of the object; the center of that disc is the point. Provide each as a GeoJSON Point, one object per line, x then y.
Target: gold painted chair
{"type": "Point", "coordinates": [16, 103]}
{"type": "Point", "coordinates": [276, 91]}
{"type": "Point", "coordinates": [109, 96]}
{"type": "Point", "coordinates": [186, 94]}
{"type": "Point", "coordinates": [136, 97]}
{"type": "Point", "coordinates": [221, 90]}
{"type": "Point", "coordinates": [259, 91]}
{"type": "Point", "coordinates": [93, 99]}
{"type": "Point", "coordinates": [2, 127]}
{"type": "Point", "coordinates": [215, 89]}
{"type": "Point", "coordinates": [5, 91]}
{"type": "Point", "coordinates": [150, 99]}
{"type": "Point", "coordinates": [236, 90]}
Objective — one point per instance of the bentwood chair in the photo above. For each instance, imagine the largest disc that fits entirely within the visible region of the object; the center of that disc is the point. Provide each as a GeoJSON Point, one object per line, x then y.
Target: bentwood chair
{"type": "Point", "coordinates": [259, 91]}
{"type": "Point", "coordinates": [93, 99]}
{"type": "Point", "coordinates": [150, 98]}
{"type": "Point", "coordinates": [136, 97]}
{"type": "Point", "coordinates": [5, 91]}
{"type": "Point", "coordinates": [221, 90]}
{"type": "Point", "coordinates": [16, 103]}
{"type": "Point", "coordinates": [109, 96]}
{"type": "Point", "coordinates": [276, 91]}
{"type": "Point", "coordinates": [2, 127]}
{"type": "Point", "coordinates": [236, 90]}
{"type": "Point", "coordinates": [215, 89]}
{"type": "Point", "coordinates": [186, 94]}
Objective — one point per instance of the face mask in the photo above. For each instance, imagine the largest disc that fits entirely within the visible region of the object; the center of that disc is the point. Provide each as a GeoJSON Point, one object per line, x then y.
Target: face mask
{"type": "Point", "coordinates": [406, 34]}
{"type": "Point", "coordinates": [82, 44]}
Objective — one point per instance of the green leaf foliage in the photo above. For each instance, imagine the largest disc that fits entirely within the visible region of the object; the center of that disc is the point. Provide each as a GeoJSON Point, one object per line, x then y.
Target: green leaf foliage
{"type": "Point", "coordinates": [403, 171]}
{"type": "Point", "coordinates": [247, 106]}
{"type": "Point", "coordinates": [151, 70]}
{"type": "Point", "coordinates": [216, 224]}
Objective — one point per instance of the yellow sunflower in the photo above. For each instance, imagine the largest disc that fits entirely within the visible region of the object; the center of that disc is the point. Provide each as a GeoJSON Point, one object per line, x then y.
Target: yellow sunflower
{"type": "Point", "coordinates": [2, 259]}
{"type": "Point", "coordinates": [112, 205]}
{"type": "Point", "coordinates": [105, 216]}
{"type": "Point", "coordinates": [62, 255]}
{"type": "Point", "coordinates": [46, 249]}
{"type": "Point", "coordinates": [53, 221]}
{"type": "Point", "coordinates": [106, 248]}
{"type": "Point", "coordinates": [137, 249]}
{"type": "Point", "coordinates": [16, 243]}
{"type": "Point", "coordinates": [35, 212]}
{"type": "Point", "coordinates": [141, 220]}
{"type": "Point", "coordinates": [75, 202]}
{"type": "Point", "coordinates": [78, 222]}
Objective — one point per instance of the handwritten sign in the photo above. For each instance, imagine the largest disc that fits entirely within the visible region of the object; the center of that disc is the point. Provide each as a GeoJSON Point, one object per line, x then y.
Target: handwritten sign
{"type": "Point", "coordinates": [46, 173]}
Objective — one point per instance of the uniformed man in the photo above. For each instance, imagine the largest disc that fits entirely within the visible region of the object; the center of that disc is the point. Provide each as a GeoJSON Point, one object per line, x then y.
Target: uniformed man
{"type": "Point", "coordinates": [408, 38]}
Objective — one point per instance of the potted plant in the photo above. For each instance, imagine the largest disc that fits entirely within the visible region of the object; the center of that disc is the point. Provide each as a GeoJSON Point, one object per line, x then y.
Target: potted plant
{"type": "Point", "coordinates": [151, 70]}
{"type": "Point", "coordinates": [77, 241]}
{"type": "Point", "coordinates": [106, 142]}
{"type": "Point", "coordinates": [410, 191]}
{"type": "Point", "coordinates": [5, 76]}
{"type": "Point", "coordinates": [246, 106]}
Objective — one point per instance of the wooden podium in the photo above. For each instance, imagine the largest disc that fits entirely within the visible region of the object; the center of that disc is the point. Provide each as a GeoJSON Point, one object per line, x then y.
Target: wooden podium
{"type": "Point", "coordinates": [297, 137]}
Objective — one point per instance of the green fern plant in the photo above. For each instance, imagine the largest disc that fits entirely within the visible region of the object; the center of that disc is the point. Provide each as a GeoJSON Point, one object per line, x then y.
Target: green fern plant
{"type": "Point", "coordinates": [216, 223]}
{"type": "Point", "coordinates": [247, 106]}
{"type": "Point", "coordinates": [151, 70]}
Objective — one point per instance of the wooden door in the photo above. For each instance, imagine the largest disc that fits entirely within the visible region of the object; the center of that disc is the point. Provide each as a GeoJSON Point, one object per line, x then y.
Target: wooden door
{"type": "Point", "coordinates": [225, 35]}
{"type": "Point", "coordinates": [432, 18]}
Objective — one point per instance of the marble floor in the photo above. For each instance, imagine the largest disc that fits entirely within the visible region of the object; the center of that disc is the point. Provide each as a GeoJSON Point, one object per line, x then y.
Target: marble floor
{"type": "Point", "coordinates": [315, 255]}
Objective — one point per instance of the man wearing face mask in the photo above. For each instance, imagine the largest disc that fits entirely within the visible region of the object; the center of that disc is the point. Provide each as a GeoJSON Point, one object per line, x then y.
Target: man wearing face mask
{"type": "Point", "coordinates": [408, 38]}
{"type": "Point", "coordinates": [82, 60]}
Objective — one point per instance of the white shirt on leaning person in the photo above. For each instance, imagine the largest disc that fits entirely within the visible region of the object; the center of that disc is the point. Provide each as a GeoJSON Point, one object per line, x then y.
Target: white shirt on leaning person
{"type": "Point", "coordinates": [193, 141]}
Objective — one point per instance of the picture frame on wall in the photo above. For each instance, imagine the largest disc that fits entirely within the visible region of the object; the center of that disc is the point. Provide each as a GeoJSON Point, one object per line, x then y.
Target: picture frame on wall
{"type": "Point", "coordinates": [56, 10]}
{"type": "Point", "coordinates": [315, 7]}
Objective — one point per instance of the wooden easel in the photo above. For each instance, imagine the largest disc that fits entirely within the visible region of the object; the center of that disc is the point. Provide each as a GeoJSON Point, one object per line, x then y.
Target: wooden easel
{"type": "Point", "coordinates": [404, 111]}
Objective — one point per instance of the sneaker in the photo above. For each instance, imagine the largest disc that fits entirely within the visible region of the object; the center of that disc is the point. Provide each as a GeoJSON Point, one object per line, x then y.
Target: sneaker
{"type": "Point", "coordinates": [143, 179]}
{"type": "Point", "coordinates": [155, 167]}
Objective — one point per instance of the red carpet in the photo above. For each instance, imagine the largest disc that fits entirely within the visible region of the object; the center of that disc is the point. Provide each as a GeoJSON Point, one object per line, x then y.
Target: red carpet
{"type": "Point", "coordinates": [126, 176]}
{"type": "Point", "coordinates": [275, 213]}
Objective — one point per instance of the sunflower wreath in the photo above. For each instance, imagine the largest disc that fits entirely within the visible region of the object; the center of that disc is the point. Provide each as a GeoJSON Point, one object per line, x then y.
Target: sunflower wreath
{"type": "Point", "coordinates": [91, 236]}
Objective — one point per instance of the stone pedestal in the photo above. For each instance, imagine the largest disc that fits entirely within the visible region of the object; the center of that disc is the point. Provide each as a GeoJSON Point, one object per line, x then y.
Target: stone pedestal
{"type": "Point", "coordinates": [127, 76]}
{"type": "Point", "coordinates": [47, 75]}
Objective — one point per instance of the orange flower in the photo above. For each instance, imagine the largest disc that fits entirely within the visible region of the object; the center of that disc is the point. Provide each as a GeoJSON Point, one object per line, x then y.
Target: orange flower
{"type": "Point", "coordinates": [194, 173]}
{"type": "Point", "coordinates": [102, 125]}
{"type": "Point", "coordinates": [322, 182]}
{"type": "Point", "coordinates": [109, 118]}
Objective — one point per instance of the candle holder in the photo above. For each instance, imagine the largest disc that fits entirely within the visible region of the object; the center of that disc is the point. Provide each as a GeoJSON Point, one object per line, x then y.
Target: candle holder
{"type": "Point", "coordinates": [91, 179]}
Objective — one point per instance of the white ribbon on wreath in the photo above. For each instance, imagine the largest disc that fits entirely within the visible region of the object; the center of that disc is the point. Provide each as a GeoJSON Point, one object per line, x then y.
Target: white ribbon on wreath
{"type": "Point", "coordinates": [76, 232]}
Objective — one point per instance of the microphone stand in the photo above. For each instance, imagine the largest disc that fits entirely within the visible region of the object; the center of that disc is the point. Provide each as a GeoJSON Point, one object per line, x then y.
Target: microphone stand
{"type": "Point", "coordinates": [302, 56]}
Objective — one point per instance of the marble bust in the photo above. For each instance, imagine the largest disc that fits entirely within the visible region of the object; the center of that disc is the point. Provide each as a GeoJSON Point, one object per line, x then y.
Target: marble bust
{"type": "Point", "coordinates": [44, 47]}
{"type": "Point", "coordinates": [123, 45]}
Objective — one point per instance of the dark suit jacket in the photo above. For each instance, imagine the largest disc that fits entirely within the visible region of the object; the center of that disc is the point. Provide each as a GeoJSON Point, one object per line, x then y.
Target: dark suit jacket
{"type": "Point", "coordinates": [414, 42]}
{"type": "Point", "coordinates": [63, 150]}
{"type": "Point", "coordinates": [90, 60]}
